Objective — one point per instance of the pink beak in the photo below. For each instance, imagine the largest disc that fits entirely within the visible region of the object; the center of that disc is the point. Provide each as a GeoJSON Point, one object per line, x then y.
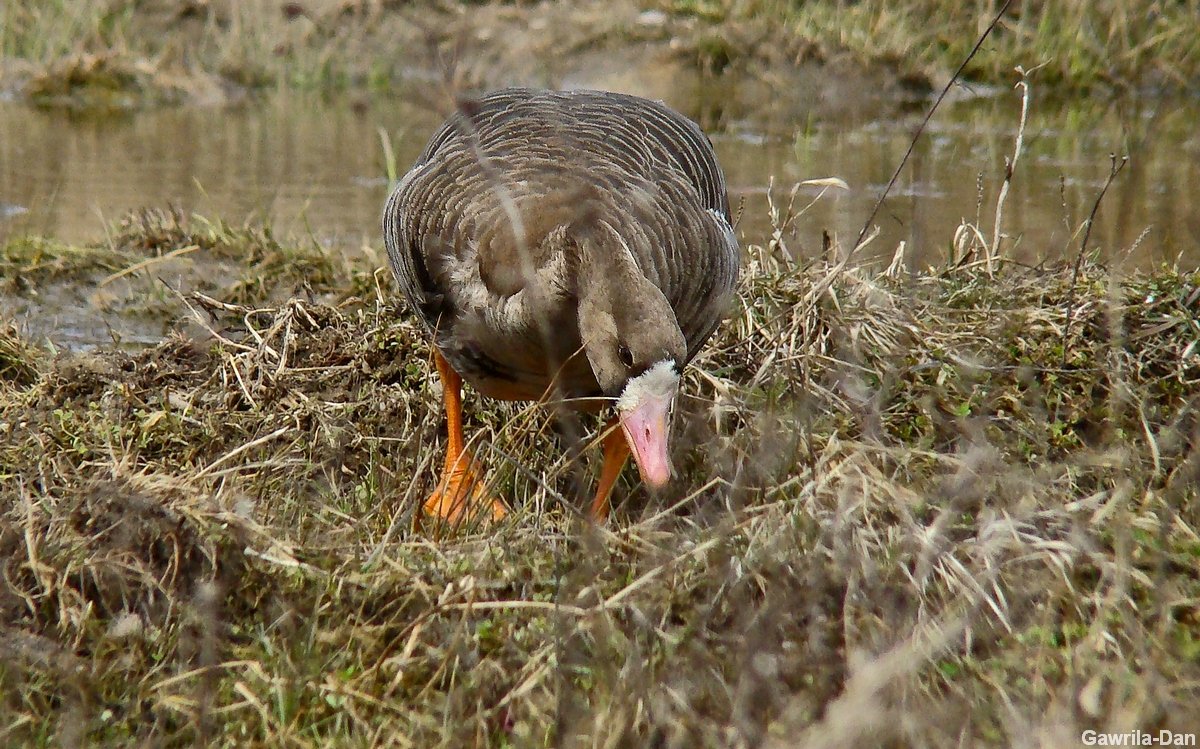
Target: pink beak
{"type": "Point", "coordinates": [646, 428]}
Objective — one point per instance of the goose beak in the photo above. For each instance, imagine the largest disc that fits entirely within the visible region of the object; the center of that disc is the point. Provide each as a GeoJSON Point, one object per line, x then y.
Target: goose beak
{"type": "Point", "coordinates": [646, 429]}
{"type": "Point", "coordinates": [644, 410]}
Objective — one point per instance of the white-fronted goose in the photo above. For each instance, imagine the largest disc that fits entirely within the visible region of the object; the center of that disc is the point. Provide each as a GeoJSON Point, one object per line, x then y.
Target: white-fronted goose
{"type": "Point", "coordinates": [575, 243]}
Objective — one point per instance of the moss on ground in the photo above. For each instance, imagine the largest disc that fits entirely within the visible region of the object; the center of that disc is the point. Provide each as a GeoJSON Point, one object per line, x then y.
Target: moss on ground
{"type": "Point", "coordinates": [943, 509]}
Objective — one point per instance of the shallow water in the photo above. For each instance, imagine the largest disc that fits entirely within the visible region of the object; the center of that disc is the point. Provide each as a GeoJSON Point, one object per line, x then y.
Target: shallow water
{"type": "Point", "coordinates": [315, 167]}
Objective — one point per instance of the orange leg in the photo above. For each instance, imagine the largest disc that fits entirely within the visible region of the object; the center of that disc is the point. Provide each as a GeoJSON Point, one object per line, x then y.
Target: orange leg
{"type": "Point", "coordinates": [460, 492]}
{"type": "Point", "coordinates": [616, 452]}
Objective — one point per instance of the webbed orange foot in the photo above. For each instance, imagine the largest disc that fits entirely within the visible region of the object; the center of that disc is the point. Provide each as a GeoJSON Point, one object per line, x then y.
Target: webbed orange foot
{"type": "Point", "coordinates": [462, 495]}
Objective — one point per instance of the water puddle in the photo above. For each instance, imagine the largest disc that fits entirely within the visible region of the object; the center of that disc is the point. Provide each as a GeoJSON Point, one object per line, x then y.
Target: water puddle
{"type": "Point", "coordinates": [315, 168]}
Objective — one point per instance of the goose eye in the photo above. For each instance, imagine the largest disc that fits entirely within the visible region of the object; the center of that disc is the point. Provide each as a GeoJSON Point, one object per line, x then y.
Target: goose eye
{"type": "Point", "coordinates": [625, 355]}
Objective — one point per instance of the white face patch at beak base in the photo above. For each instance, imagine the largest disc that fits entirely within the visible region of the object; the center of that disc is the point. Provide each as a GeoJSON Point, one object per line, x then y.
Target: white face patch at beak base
{"type": "Point", "coordinates": [660, 382]}
{"type": "Point", "coordinates": [644, 409]}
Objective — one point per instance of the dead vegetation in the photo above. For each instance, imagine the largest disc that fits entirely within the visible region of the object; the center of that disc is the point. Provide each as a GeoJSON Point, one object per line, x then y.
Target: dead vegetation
{"type": "Point", "coordinates": [917, 510]}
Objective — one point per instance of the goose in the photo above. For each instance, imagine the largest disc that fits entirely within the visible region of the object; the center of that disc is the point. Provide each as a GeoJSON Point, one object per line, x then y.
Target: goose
{"type": "Point", "coordinates": [568, 244]}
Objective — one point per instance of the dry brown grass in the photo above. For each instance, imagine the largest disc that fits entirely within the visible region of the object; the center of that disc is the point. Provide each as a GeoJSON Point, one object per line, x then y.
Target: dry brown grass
{"type": "Point", "coordinates": [915, 511]}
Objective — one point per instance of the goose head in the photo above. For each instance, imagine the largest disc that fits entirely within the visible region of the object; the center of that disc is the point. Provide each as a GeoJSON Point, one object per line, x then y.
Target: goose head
{"type": "Point", "coordinates": [644, 408]}
{"type": "Point", "coordinates": [636, 350]}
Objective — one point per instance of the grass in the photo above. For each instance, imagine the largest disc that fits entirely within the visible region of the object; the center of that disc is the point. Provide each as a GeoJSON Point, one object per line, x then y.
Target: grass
{"type": "Point", "coordinates": [1082, 46]}
{"type": "Point", "coordinates": [96, 54]}
{"type": "Point", "coordinates": [152, 256]}
{"type": "Point", "coordinates": [122, 53]}
{"type": "Point", "coordinates": [915, 510]}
